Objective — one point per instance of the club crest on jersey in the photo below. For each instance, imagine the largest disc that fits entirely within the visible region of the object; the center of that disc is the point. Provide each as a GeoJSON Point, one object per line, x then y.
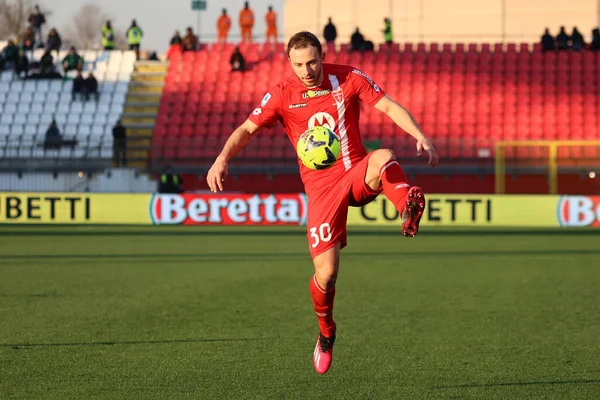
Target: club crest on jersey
{"type": "Point", "coordinates": [338, 95]}
{"type": "Point", "coordinates": [309, 94]}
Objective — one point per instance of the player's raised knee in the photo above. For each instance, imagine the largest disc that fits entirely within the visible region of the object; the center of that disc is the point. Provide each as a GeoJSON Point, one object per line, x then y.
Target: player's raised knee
{"type": "Point", "coordinates": [381, 156]}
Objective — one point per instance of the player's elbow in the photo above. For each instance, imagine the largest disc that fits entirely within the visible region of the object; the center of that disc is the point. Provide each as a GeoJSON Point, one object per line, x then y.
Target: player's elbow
{"type": "Point", "coordinates": [248, 128]}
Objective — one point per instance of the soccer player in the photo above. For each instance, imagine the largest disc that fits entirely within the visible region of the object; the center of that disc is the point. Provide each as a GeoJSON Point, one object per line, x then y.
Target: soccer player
{"type": "Point", "coordinates": [329, 94]}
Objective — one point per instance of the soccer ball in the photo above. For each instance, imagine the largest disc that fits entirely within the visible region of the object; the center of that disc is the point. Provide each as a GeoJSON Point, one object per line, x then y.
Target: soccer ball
{"type": "Point", "coordinates": [318, 148]}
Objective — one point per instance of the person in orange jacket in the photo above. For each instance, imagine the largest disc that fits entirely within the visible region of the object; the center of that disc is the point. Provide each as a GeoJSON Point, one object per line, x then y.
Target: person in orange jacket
{"type": "Point", "coordinates": [223, 25]}
{"type": "Point", "coordinates": [271, 20]}
{"type": "Point", "coordinates": [246, 23]}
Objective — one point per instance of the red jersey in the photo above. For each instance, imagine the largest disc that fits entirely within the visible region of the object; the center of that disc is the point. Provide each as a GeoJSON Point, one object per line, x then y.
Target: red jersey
{"type": "Point", "coordinates": [334, 104]}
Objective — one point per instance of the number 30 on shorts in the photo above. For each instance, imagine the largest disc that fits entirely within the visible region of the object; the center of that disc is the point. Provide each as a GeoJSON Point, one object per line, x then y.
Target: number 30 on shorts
{"type": "Point", "coordinates": [320, 234]}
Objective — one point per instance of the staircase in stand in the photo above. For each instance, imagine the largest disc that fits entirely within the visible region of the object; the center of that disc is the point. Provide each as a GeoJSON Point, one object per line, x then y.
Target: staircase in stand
{"type": "Point", "coordinates": [141, 108]}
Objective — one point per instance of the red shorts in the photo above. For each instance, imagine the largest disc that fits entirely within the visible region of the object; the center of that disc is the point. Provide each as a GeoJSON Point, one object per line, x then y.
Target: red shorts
{"type": "Point", "coordinates": [328, 209]}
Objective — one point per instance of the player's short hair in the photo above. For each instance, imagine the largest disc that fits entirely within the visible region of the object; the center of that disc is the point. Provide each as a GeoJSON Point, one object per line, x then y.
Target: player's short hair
{"type": "Point", "coordinates": [302, 40]}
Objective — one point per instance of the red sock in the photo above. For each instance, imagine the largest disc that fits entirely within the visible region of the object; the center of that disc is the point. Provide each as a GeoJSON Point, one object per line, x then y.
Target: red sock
{"type": "Point", "coordinates": [395, 184]}
{"type": "Point", "coordinates": [323, 304]}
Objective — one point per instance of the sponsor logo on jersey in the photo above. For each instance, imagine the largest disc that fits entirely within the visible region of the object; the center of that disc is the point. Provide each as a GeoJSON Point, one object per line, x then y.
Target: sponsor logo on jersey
{"type": "Point", "coordinates": [265, 99]}
{"type": "Point", "coordinates": [321, 119]}
{"type": "Point", "coordinates": [579, 211]}
{"type": "Point", "coordinates": [298, 105]}
{"type": "Point", "coordinates": [229, 209]}
{"type": "Point", "coordinates": [257, 111]}
{"type": "Point", "coordinates": [309, 94]}
{"type": "Point", "coordinates": [367, 78]}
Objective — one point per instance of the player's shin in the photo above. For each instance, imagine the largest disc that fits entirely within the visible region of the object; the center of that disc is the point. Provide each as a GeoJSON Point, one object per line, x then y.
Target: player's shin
{"type": "Point", "coordinates": [395, 183]}
{"type": "Point", "coordinates": [323, 305]}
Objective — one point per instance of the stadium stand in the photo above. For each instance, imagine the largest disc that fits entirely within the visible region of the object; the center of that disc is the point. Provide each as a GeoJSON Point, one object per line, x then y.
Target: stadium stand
{"type": "Point", "coordinates": [466, 96]}
{"type": "Point", "coordinates": [29, 106]}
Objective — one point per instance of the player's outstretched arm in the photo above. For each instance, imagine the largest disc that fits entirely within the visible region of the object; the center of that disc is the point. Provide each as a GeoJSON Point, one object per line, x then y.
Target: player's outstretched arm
{"type": "Point", "coordinates": [406, 121]}
{"type": "Point", "coordinates": [236, 142]}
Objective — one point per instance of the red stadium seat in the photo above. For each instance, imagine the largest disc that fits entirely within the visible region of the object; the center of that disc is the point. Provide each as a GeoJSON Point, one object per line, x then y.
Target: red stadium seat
{"type": "Point", "coordinates": [489, 92]}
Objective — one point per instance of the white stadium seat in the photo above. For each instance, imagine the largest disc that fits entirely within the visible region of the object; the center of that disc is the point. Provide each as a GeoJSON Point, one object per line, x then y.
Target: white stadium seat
{"type": "Point", "coordinates": [16, 130]}
{"type": "Point", "coordinates": [73, 118]}
{"type": "Point", "coordinates": [20, 119]}
{"type": "Point", "coordinates": [100, 119]}
{"type": "Point", "coordinates": [87, 119]}
{"type": "Point", "coordinates": [46, 119]}
{"type": "Point", "coordinates": [24, 106]}
{"type": "Point", "coordinates": [43, 87]}
{"type": "Point", "coordinates": [10, 107]}
{"type": "Point", "coordinates": [71, 130]}
{"type": "Point", "coordinates": [34, 118]}
{"type": "Point", "coordinates": [26, 98]}
{"type": "Point", "coordinates": [13, 97]}
{"type": "Point", "coordinates": [29, 87]}
{"type": "Point", "coordinates": [61, 119]}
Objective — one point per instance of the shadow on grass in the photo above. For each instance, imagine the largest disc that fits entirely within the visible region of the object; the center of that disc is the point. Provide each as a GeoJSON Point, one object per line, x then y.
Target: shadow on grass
{"type": "Point", "coordinates": [162, 257]}
{"type": "Point", "coordinates": [18, 346]}
{"type": "Point", "coordinates": [482, 385]}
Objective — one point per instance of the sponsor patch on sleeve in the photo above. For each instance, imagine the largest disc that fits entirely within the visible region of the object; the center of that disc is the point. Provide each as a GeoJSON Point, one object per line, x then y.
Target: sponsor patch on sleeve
{"type": "Point", "coordinates": [265, 99]}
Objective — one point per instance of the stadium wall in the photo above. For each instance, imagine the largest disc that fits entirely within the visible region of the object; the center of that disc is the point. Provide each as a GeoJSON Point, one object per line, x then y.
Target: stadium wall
{"type": "Point", "coordinates": [466, 21]}
{"type": "Point", "coordinates": [521, 183]}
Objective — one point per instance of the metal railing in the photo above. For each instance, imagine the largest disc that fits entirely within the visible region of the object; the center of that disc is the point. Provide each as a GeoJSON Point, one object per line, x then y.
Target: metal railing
{"type": "Point", "coordinates": [545, 153]}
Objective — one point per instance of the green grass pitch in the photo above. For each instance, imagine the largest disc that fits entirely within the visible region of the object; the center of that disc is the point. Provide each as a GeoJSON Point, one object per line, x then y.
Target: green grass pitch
{"type": "Point", "coordinates": [225, 313]}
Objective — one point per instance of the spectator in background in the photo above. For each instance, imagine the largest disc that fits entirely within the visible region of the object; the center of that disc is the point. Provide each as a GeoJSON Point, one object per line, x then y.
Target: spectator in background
{"type": "Point", "coordinates": [36, 20]}
{"type": "Point", "coordinates": [134, 38]}
{"type": "Point", "coordinates": [78, 86]}
{"type": "Point", "coordinates": [223, 26]}
{"type": "Point", "coordinates": [548, 42]}
{"type": "Point", "coordinates": [357, 41]}
{"type": "Point", "coordinates": [54, 41]}
{"type": "Point", "coordinates": [90, 87]}
{"type": "Point", "coordinates": [246, 23]}
{"type": "Point", "coordinates": [190, 41]}
{"type": "Point", "coordinates": [271, 20]}
{"type": "Point", "coordinates": [72, 61]}
{"type": "Point", "coordinates": [47, 64]}
{"type": "Point", "coordinates": [562, 39]}
{"type": "Point", "coordinates": [176, 39]}
{"type": "Point", "coordinates": [170, 182]}
{"type": "Point", "coordinates": [237, 61]}
{"type": "Point", "coordinates": [174, 45]}
{"type": "Point", "coordinates": [388, 35]}
{"type": "Point", "coordinates": [119, 144]}
{"type": "Point", "coordinates": [11, 54]}
{"type": "Point", "coordinates": [595, 46]}
{"type": "Point", "coordinates": [28, 40]}
{"type": "Point", "coordinates": [2, 62]}
{"type": "Point", "coordinates": [108, 36]}
{"type": "Point", "coordinates": [577, 42]}
{"type": "Point", "coordinates": [53, 137]}
{"type": "Point", "coordinates": [22, 64]}
{"type": "Point", "coordinates": [330, 32]}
